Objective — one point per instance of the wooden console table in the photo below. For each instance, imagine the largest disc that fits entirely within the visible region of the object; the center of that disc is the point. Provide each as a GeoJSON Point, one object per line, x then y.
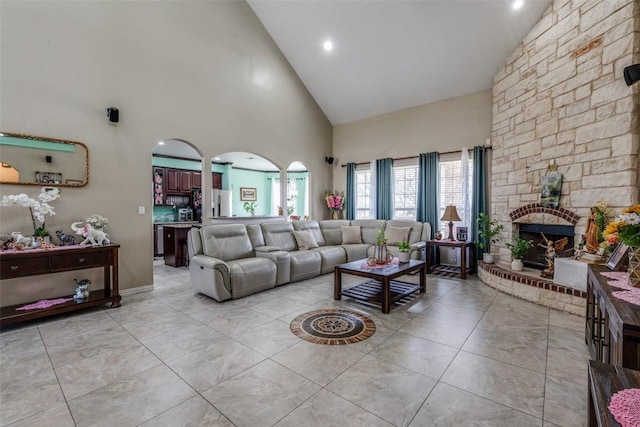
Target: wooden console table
{"type": "Point", "coordinates": [464, 269]}
{"type": "Point", "coordinates": [14, 264]}
{"type": "Point", "coordinates": [604, 382]}
{"type": "Point", "coordinates": [612, 329]}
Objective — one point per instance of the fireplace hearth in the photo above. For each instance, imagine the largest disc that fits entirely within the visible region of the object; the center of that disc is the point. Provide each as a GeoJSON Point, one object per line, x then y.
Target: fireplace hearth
{"type": "Point", "coordinates": [535, 257]}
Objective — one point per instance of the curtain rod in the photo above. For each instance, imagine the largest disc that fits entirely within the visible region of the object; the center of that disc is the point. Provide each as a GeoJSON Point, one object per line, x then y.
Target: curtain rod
{"type": "Point", "coordinates": [415, 157]}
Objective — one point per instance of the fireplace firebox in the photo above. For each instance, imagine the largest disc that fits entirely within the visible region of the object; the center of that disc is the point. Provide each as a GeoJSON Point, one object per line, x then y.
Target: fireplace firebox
{"type": "Point", "coordinates": [534, 258]}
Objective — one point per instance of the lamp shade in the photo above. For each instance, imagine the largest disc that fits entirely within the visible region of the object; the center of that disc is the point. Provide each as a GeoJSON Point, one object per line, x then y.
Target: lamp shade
{"type": "Point", "coordinates": [450, 214]}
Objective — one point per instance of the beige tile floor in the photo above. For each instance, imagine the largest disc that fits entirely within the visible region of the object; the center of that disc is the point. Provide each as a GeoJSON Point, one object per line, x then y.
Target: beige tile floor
{"type": "Point", "coordinates": [462, 354]}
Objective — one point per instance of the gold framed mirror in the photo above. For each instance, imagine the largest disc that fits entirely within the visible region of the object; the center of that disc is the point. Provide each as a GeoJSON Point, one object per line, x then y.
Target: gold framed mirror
{"type": "Point", "coordinates": [37, 160]}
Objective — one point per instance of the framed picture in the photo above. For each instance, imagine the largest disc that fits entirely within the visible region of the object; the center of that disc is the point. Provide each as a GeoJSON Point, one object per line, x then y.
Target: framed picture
{"type": "Point", "coordinates": [48, 177]}
{"type": "Point", "coordinates": [619, 253]}
{"type": "Point", "coordinates": [248, 194]}
{"type": "Point", "coordinates": [462, 233]}
{"type": "Point", "coordinates": [74, 182]}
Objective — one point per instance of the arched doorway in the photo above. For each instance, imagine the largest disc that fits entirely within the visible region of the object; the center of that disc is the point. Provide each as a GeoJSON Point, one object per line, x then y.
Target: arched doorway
{"type": "Point", "coordinates": [297, 186]}
{"type": "Point", "coordinates": [176, 198]}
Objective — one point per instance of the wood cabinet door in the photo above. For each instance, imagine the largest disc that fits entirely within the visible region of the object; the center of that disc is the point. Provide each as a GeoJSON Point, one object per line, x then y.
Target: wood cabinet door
{"type": "Point", "coordinates": [172, 182]}
{"type": "Point", "coordinates": [185, 181]}
{"type": "Point", "coordinates": [216, 179]}
{"type": "Point", "coordinates": [196, 179]}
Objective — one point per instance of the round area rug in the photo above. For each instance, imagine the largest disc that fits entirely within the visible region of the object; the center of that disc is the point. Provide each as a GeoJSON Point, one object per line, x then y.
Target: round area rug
{"type": "Point", "coordinates": [333, 327]}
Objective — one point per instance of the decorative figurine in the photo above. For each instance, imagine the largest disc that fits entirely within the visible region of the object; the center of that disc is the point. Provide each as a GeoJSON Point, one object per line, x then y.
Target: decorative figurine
{"type": "Point", "coordinates": [94, 236]}
{"type": "Point", "coordinates": [65, 238]}
{"type": "Point", "coordinates": [552, 249]}
{"type": "Point", "coordinates": [82, 290]}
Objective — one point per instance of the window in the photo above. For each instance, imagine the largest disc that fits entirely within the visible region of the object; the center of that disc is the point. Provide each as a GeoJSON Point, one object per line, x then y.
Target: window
{"type": "Point", "coordinates": [363, 193]}
{"type": "Point", "coordinates": [450, 177]}
{"type": "Point", "coordinates": [405, 190]}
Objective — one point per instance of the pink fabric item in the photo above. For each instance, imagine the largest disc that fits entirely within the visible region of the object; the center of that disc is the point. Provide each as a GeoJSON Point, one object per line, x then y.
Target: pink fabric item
{"type": "Point", "coordinates": [620, 280]}
{"type": "Point", "coordinates": [632, 297]}
{"type": "Point", "coordinates": [625, 407]}
{"type": "Point", "coordinates": [45, 303]}
{"type": "Point", "coordinates": [394, 261]}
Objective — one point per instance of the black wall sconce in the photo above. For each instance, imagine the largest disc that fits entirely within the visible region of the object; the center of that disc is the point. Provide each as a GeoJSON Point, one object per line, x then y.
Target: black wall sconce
{"type": "Point", "coordinates": [631, 74]}
{"type": "Point", "coordinates": [329, 160]}
{"type": "Point", "coordinates": [113, 114]}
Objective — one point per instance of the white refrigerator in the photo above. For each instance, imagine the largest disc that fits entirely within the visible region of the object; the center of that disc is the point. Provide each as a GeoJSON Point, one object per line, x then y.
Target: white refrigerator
{"type": "Point", "coordinates": [221, 203]}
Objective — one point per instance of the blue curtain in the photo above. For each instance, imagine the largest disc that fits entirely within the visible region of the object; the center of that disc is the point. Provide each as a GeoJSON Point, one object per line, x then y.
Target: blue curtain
{"type": "Point", "coordinates": [479, 197]}
{"type": "Point", "coordinates": [384, 189]}
{"type": "Point", "coordinates": [350, 202]}
{"type": "Point", "coordinates": [427, 209]}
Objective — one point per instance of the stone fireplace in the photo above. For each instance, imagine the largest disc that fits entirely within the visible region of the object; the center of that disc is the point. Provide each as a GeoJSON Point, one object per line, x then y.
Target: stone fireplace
{"type": "Point", "coordinates": [531, 221]}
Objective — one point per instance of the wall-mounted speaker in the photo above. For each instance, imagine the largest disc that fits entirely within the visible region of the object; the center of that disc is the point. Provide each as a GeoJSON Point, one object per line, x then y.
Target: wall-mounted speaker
{"type": "Point", "coordinates": [329, 160]}
{"type": "Point", "coordinates": [113, 114]}
{"type": "Point", "coordinates": [631, 74]}
{"type": "Point", "coordinates": [48, 159]}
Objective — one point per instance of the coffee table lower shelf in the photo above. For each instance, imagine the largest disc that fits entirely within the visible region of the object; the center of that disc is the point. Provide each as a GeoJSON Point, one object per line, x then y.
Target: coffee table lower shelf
{"type": "Point", "coordinates": [370, 291]}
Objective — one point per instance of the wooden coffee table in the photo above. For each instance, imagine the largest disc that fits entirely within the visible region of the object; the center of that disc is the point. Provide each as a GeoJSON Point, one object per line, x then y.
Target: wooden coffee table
{"type": "Point", "coordinates": [381, 289]}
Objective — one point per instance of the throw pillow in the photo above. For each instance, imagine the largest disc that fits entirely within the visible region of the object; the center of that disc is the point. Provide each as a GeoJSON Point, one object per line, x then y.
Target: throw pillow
{"type": "Point", "coordinates": [305, 240]}
{"type": "Point", "coordinates": [351, 234]}
{"type": "Point", "coordinates": [398, 234]}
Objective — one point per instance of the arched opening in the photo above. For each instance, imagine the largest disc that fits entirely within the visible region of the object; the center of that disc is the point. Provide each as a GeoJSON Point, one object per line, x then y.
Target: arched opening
{"type": "Point", "coordinates": [176, 199]}
{"type": "Point", "coordinates": [244, 184]}
{"type": "Point", "coordinates": [297, 187]}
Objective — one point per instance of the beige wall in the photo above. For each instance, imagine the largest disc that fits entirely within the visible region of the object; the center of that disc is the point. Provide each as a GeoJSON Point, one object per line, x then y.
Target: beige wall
{"type": "Point", "coordinates": [561, 97]}
{"type": "Point", "coordinates": [205, 72]}
{"type": "Point", "coordinates": [442, 126]}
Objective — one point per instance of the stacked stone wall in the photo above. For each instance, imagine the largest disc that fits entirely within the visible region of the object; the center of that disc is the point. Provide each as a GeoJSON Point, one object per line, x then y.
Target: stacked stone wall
{"type": "Point", "coordinates": [561, 98]}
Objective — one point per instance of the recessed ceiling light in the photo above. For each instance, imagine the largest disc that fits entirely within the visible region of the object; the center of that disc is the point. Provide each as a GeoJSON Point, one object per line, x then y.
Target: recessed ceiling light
{"type": "Point", "coordinates": [217, 158]}
{"type": "Point", "coordinates": [328, 46]}
{"type": "Point", "coordinates": [161, 143]}
{"type": "Point", "coordinates": [517, 4]}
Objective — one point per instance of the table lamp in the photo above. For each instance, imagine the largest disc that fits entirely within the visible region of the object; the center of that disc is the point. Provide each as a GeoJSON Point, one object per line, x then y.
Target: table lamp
{"type": "Point", "coordinates": [450, 214]}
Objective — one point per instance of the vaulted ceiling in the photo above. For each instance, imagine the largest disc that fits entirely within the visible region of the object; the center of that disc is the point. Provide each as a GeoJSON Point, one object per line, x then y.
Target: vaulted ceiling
{"type": "Point", "coordinates": [393, 54]}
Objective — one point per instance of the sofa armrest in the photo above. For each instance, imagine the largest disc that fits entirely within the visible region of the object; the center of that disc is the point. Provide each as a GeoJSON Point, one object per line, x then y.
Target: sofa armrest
{"type": "Point", "coordinates": [266, 249]}
{"type": "Point", "coordinates": [282, 259]}
{"type": "Point", "coordinates": [210, 262]}
{"type": "Point", "coordinates": [418, 246]}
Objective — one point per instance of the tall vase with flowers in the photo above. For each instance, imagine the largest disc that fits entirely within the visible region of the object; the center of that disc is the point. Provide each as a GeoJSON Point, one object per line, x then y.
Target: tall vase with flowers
{"type": "Point", "coordinates": [39, 209]}
{"type": "Point", "coordinates": [625, 228]}
{"type": "Point", "coordinates": [335, 202]}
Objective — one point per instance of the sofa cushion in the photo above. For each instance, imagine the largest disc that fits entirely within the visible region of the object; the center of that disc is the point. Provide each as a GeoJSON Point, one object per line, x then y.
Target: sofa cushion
{"type": "Point", "coordinates": [369, 229]}
{"type": "Point", "coordinates": [397, 234]}
{"type": "Point", "coordinates": [415, 226]}
{"type": "Point", "coordinates": [226, 241]}
{"type": "Point", "coordinates": [313, 227]}
{"type": "Point", "coordinates": [305, 240]}
{"type": "Point", "coordinates": [332, 231]}
{"type": "Point", "coordinates": [279, 234]}
{"type": "Point", "coordinates": [351, 235]}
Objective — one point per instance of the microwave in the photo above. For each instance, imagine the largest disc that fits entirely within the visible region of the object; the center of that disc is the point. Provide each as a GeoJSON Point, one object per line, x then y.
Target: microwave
{"type": "Point", "coordinates": [185, 214]}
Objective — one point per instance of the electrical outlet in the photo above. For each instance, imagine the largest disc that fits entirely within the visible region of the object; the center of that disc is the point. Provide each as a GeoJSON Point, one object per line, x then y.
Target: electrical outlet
{"type": "Point", "coordinates": [141, 210]}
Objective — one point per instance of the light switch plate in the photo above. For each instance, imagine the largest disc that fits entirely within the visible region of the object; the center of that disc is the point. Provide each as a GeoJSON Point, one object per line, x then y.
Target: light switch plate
{"type": "Point", "coordinates": [141, 210]}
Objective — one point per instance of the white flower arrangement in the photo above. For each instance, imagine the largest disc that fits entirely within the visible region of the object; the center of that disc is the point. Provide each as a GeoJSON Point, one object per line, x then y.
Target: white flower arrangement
{"type": "Point", "coordinates": [39, 209]}
{"type": "Point", "coordinates": [97, 221]}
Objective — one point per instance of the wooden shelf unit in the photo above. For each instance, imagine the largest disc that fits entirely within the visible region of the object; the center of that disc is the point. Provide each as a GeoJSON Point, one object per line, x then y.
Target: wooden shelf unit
{"type": "Point", "coordinates": [15, 264]}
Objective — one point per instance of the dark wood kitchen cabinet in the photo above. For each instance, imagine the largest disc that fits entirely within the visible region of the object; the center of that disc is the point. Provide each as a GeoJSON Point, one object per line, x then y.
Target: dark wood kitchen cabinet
{"type": "Point", "coordinates": [196, 179]}
{"type": "Point", "coordinates": [178, 181]}
{"type": "Point", "coordinates": [216, 180]}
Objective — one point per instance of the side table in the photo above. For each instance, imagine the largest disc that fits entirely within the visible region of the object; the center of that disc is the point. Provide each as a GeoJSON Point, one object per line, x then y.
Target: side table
{"type": "Point", "coordinates": [466, 253]}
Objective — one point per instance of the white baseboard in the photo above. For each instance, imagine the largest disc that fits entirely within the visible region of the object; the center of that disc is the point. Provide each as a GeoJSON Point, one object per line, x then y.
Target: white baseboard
{"type": "Point", "coordinates": [136, 290]}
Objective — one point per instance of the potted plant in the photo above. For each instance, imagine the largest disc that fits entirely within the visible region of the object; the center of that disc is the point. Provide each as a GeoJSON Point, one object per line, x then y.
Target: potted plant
{"type": "Point", "coordinates": [488, 232]}
{"type": "Point", "coordinates": [250, 207]}
{"type": "Point", "coordinates": [404, 249]}
{"type": "Point", "coordinates": [519, 248]}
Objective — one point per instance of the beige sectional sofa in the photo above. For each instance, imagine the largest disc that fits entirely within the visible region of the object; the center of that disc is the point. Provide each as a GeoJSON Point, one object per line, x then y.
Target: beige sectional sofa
{"type": "Point", "coordinates": [230, 261]}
